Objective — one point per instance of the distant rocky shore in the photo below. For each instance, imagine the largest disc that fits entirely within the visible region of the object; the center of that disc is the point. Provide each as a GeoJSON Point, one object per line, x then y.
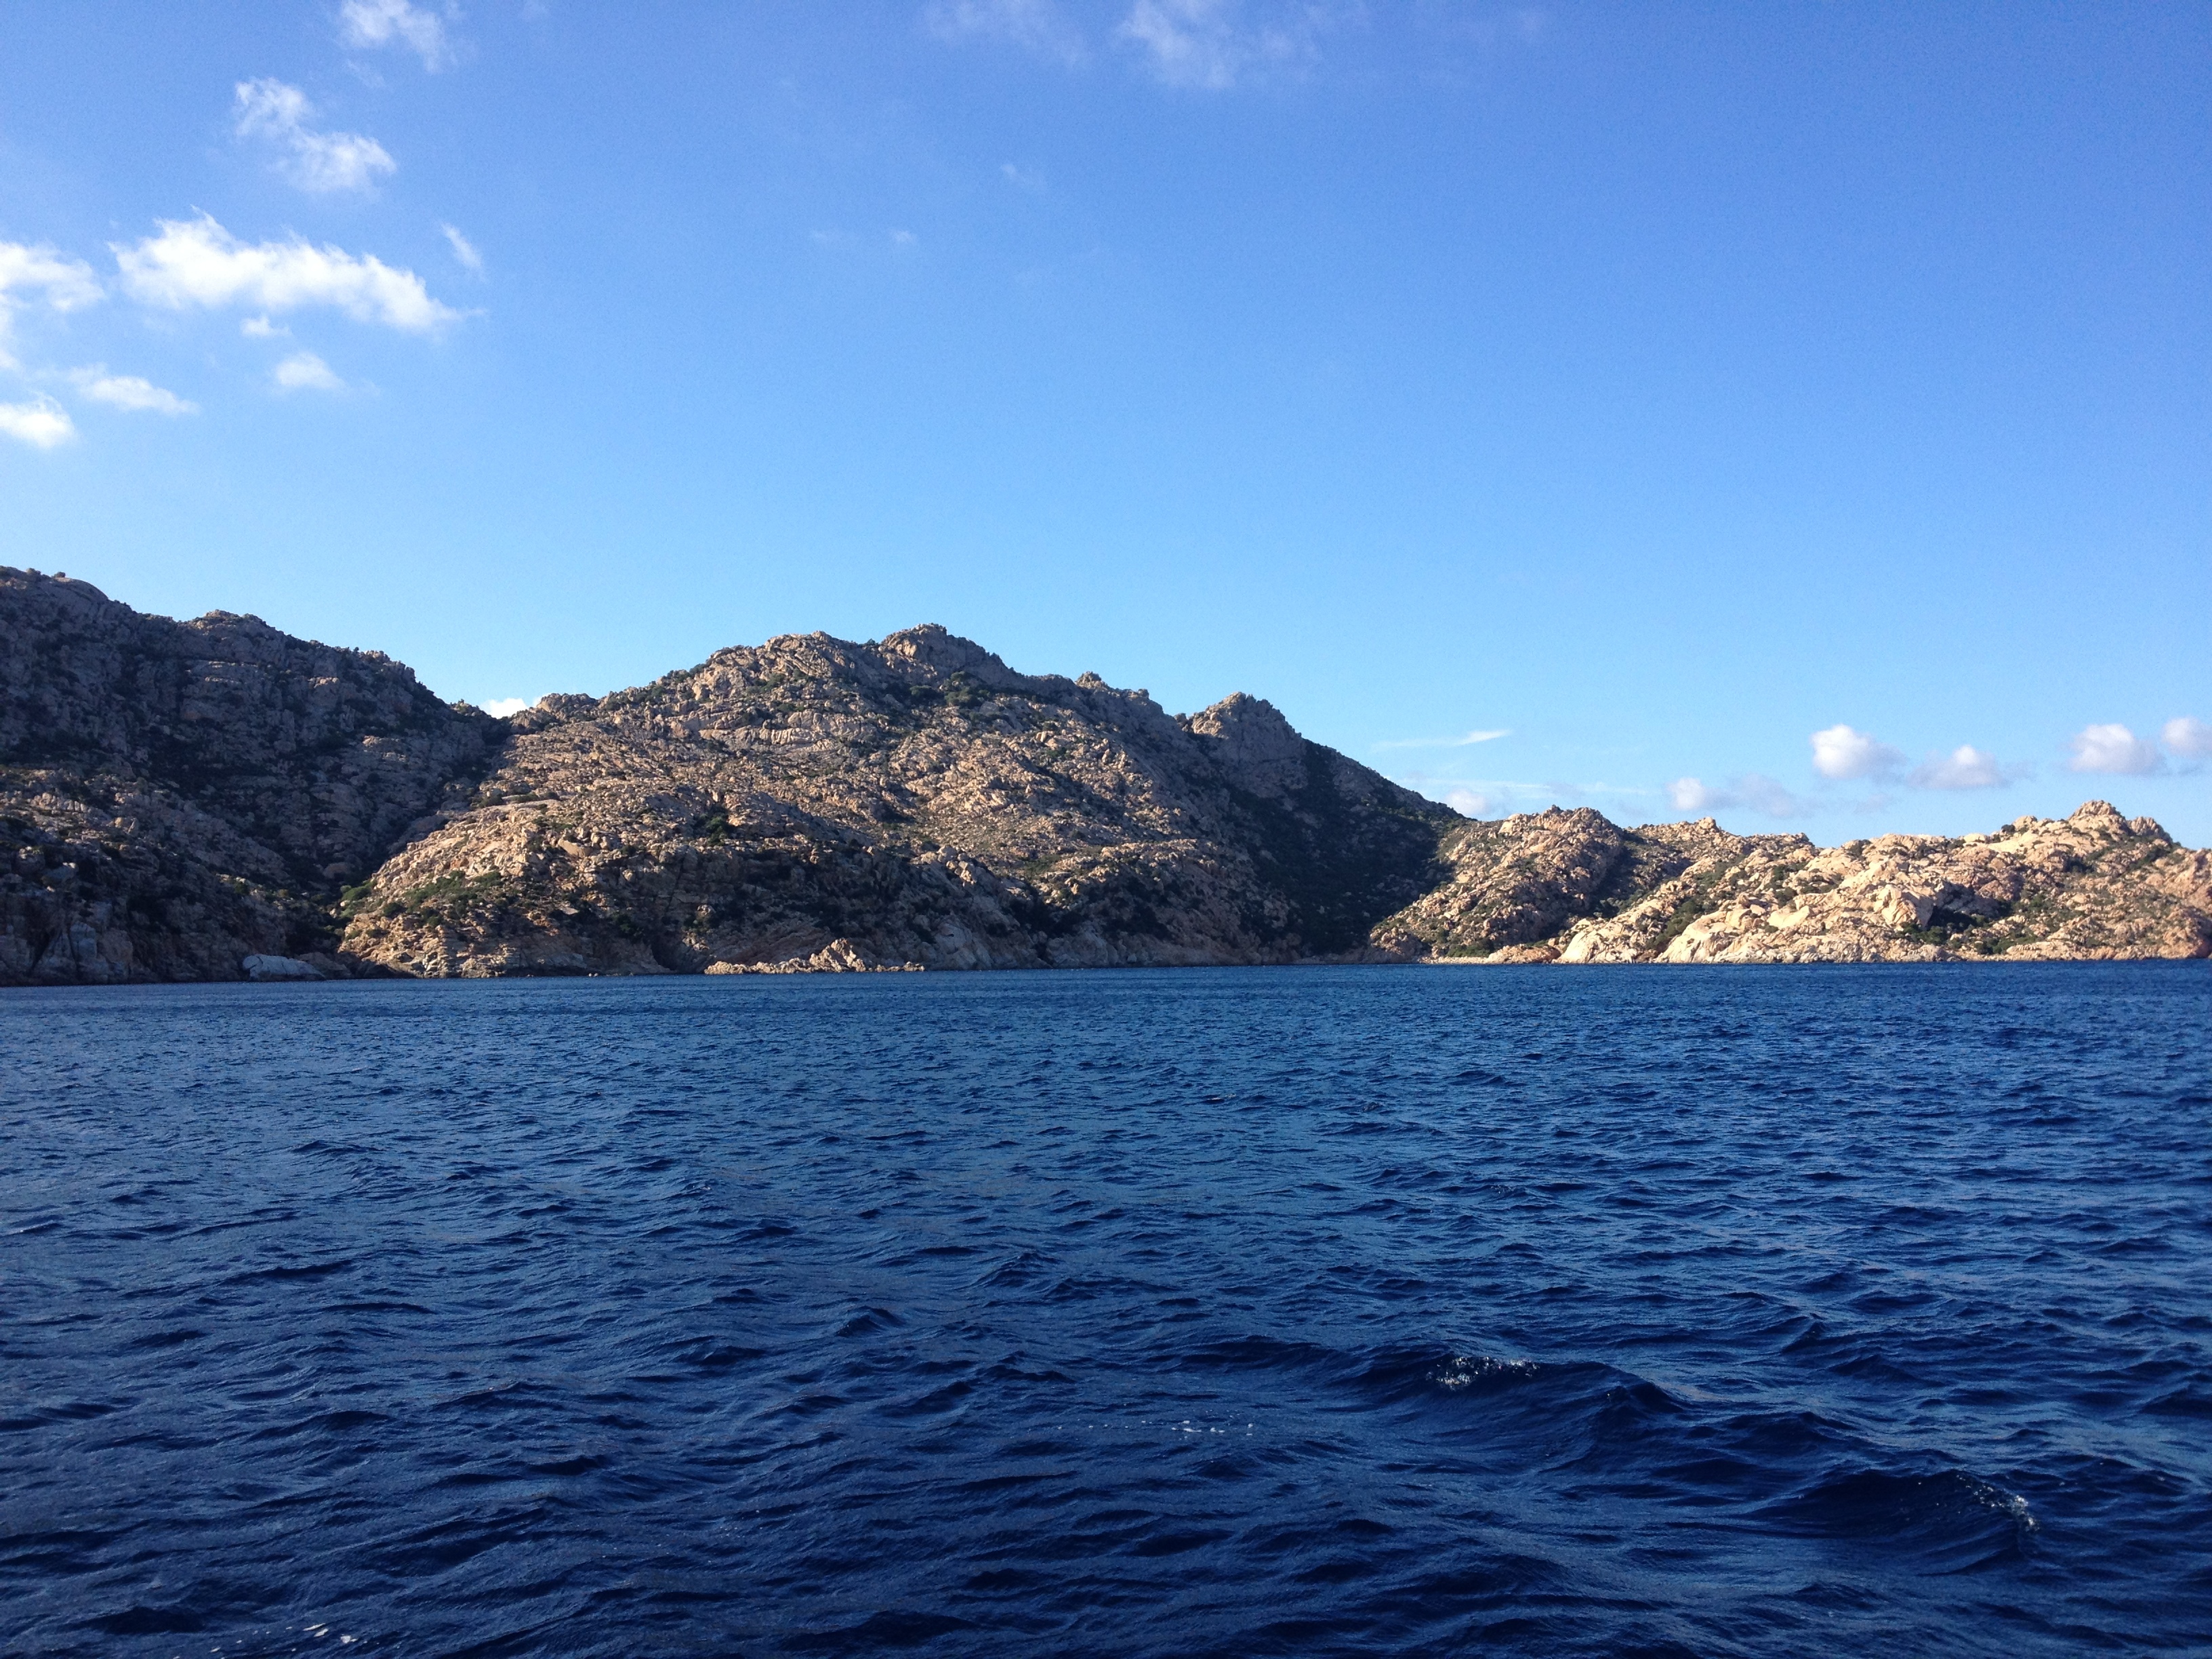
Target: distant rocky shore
{"type": "Point", "coordinates": [215, 799]}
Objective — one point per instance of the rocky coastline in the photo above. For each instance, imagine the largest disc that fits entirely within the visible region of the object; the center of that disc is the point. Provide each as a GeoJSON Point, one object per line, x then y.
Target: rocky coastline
{"type": "Point", "coordinates": [216, 799]}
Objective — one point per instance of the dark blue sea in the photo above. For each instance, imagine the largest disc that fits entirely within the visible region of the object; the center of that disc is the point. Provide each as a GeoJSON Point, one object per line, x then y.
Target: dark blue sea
{"type": "Point", "coordinates": [1604, 1311]}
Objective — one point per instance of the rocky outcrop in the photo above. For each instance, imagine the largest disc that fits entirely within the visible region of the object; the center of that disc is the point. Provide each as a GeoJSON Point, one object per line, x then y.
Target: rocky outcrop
{"type": "Point", "coordinates": [217, 800]}
{"type": "Point", "coordinates": [1518, 884]}
{"type": "Point", "coordinates": [177, 797]}
{"type": "Point", "coordinates": [2095, 885]}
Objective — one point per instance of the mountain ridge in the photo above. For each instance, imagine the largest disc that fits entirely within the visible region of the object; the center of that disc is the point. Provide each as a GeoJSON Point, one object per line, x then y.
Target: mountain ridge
{"type": "Point", "coordinates": [186, 799]}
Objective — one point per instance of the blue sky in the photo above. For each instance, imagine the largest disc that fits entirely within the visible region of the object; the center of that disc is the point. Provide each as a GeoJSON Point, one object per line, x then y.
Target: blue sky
{"type": "Point", "coordinates": [1801, 413]}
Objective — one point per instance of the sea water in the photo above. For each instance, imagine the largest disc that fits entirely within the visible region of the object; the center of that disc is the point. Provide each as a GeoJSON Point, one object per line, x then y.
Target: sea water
{"type": "Point", "coordinates": [1610, 1311]}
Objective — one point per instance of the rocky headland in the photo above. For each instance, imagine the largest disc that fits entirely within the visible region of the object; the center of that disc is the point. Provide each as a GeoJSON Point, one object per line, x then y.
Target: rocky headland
{"type": "Point", "coordinates": [216, 799]}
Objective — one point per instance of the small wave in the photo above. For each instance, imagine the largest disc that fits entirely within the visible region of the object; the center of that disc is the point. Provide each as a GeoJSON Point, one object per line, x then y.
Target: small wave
{"type": "Point", "coordinates": [708, 1354]}
{"type": "Point", "coordinates": [1954, 1522]}
{"type": "Point", "coordinates": [290, 1270]}
{"type": "Point", "coordinates": [167, 1339]}
{"type": "Point", "coordinates": [1257, 1352]}
{"type": "Point", "coordinates": [75, 1411]}
{"type": "Point", "coordinates": [870, 1320]}
{"type": "Point", "coordinates": [329, 1422]}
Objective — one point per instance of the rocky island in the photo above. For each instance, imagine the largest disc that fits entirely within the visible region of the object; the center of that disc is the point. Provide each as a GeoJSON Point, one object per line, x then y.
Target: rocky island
{"type": "Point", "coordinates": [217, 800]}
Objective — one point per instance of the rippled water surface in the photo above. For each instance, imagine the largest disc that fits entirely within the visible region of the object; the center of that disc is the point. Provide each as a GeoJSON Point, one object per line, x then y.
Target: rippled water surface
{"type": "Point", "coordinates": [1363, 1311]}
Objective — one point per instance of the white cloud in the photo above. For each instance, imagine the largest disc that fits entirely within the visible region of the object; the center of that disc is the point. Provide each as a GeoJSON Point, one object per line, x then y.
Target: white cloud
{"type": "Point", "coordinates": [42, 423]}
{"type": "Point", "coordinates": [1205, 43]}
{"type": "Point", "coordinates": [1964, 767]}
{"type": "Point", "coordinates": [198, 262]}
{"type": "Point", "coordinates": [27, 268]}
{"type": "Point", "coordinates": [1038, 26]}
{"type": "Point", "coordinates": [317, 161]}
{"type": "Point", "coordinates": [1468, 803]}
{"type": "Point", "coordinates": [2189, 738]}
{"type": "Point", "coordinates": [902, 238]}
{"type": "Point", "coordinates": [502, 706]}
{"type": "Point", "coordinates": [260, 328]}
{"type": "Point", "coordinates": [129, 392]}
{"type": "Point", "coordinates": [303, 371]}
{"type": "Point", "coordinates": [67, 283]}
{"type": "Point", "coordinates": [1022, 178]}
{"type": "Point", "coordinates": [2113, 749]}
{"type": "Point", "coordinates": [397, 22]}
{"type": "Point", "coordinates": [464, 250]}
{"type": "Point", "coordinates": [1840, 752]}
{"type": "Point", "coordinates": [1445, 743]}
{"type": "Point", "coordinates": [1691, 795]}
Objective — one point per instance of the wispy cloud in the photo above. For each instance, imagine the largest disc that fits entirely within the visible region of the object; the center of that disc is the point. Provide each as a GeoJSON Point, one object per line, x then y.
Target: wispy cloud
{"type": "Point", "coordinates": [129, 392]}
{"type": "Point", "coordinates": [1754, 790]}
{"type": "Point", "coordinates": [1497, 797]}
{"type": "Point", "coordinates": [1521, 25]}
{"type": "Point", "coordinates": [378, 23]}
{"type": "Point", "coordinates": [1212, 43]}
{"type": "Point", "coordinates": [42, 423]}
{"type": "Point", "coordinates": [1038, 26]}
{"type": "Point", "coordinates": [197, 263]}
{"type": "Point", "coordinates": [2113, 748]}
{"type": "Point", "coordinates": [317, 161]}
{"type": "Point", "coordinates": [1840, 752]}
{"type": "Point", "coordinates": [464, 250]}
{"type": "Point", "coordinates": [303, 371]}
{"type": "Point", "coordinates": [1443, 743]}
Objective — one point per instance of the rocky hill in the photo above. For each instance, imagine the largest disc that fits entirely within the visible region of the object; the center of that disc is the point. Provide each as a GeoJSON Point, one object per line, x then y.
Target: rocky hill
{"type": "Point", "coordinates": [913, 800]}
{"type": "Point", "coordinates": [182, 799]}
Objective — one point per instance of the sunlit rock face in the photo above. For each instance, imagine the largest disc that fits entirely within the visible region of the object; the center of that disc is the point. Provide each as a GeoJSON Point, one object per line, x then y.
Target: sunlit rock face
{"type": "Point", "coordinates": [911, 800]}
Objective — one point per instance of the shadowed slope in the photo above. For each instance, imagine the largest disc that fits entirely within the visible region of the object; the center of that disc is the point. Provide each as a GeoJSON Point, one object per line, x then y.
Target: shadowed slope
{"type": "Point", "coordinates": [178, 795]}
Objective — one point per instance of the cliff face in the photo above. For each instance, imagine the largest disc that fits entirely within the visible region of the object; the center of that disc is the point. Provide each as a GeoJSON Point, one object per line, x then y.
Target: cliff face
{"type": "Point", "coordinates": [910, 801]}
{"type": "Point", "coordinates": [179, 798]}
